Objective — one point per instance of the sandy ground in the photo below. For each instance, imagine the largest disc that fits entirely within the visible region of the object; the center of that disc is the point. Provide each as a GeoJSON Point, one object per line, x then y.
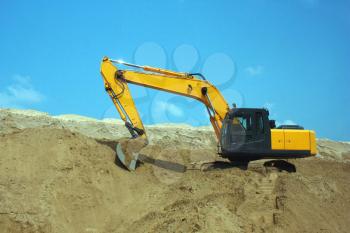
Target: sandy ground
{"type": "Point", "coordinates": [58, 174]}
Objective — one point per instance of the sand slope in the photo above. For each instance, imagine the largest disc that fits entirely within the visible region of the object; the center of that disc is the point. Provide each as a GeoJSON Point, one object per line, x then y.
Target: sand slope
{"type": "Point", "coordinates": [58, 178]}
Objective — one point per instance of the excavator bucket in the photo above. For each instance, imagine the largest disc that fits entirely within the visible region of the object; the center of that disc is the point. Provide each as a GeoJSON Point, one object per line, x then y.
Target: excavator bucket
{"type": "Point", "coordinates": [128, 151]}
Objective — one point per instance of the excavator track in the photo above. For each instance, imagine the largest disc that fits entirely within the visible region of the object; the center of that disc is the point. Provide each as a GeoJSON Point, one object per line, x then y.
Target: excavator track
{"type": "Point", "coordinates": [260, 166]}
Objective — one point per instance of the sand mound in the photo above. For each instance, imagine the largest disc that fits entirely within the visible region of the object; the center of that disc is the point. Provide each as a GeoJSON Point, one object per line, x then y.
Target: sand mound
{"type": "Point", "coordinates": [176, 136]}
{"type": "Point", "coordinates": [57, 180]}
{"type": "Point", "coordinates": [333, 150]}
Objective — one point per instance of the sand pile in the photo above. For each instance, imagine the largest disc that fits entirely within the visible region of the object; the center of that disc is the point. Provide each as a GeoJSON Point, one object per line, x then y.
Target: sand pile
{"type": "Point", "coordinates": [332, 150]}
{"type": "Point", "coordinates": [55, 179]}
{"type": "Point", "coordinates": [177, 136]}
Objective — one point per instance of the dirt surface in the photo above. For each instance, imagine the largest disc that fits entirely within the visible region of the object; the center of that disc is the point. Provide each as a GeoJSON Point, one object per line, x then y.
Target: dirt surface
{"type": "Point", "coordinates": [55, 179]}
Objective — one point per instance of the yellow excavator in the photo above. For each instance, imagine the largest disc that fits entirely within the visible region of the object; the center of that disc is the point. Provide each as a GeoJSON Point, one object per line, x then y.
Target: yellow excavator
{"type": "Point", "coordinates": [244, 134]}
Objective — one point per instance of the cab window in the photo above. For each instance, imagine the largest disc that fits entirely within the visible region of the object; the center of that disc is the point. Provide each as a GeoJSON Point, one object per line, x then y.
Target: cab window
{"type": "Point", "coordinates": [244, 121]}
{"type": "Point", "coordinates": [241, 124]}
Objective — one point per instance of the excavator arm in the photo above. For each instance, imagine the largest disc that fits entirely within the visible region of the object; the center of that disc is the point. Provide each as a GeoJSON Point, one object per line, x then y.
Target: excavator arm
{"type": "Point", "coordinates": [116, 84]}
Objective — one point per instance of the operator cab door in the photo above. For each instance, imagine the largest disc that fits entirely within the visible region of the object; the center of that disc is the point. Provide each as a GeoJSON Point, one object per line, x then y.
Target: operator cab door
{"type": "Point", "coordinates": [255, 131]}
{"type": "Point", "coordinates": [261, 131]}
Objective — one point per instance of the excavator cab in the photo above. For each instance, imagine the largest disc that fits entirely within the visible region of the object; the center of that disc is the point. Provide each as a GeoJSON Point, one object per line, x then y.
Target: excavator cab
{"type": "Point", "coordinates": [247, 134]}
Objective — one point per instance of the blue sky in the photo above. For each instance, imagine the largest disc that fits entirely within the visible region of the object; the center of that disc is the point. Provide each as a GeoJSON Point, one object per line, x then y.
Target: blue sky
{"type": "Point", "coordinates": [290, 56]}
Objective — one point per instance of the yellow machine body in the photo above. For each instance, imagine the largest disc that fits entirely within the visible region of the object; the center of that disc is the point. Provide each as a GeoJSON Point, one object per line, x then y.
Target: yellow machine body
{"type": "Point", "coordinates": [269, 142]}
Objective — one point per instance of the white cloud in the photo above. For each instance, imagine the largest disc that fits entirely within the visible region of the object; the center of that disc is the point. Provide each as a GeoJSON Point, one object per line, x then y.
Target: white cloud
{"type": "Point", "coordinates": [289, 122]}
{"type": "Point", "coordinates": [20, 93]}
{"type": "Point", "coordinates": [254, 70]}
{"type": "Point", "coordinates": [169, 107]}
{"type": "Point", "coordinates": [286, 122]}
